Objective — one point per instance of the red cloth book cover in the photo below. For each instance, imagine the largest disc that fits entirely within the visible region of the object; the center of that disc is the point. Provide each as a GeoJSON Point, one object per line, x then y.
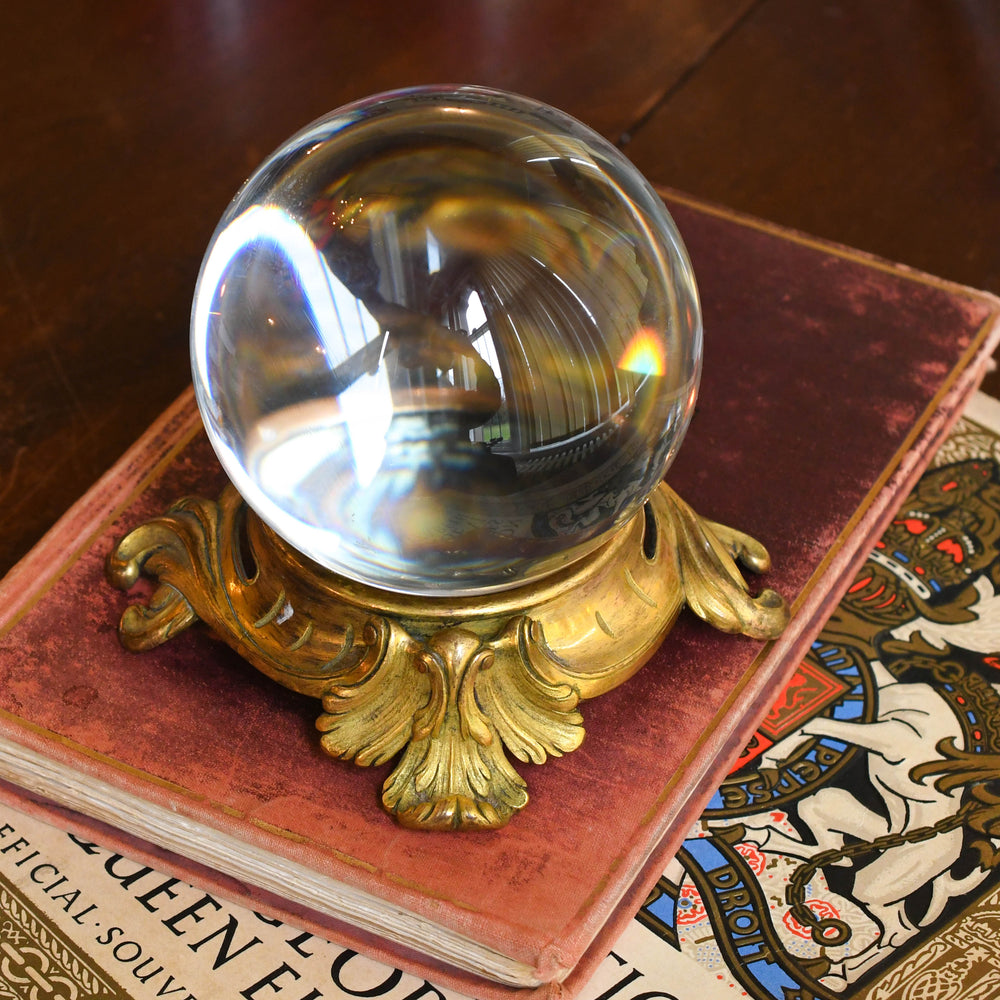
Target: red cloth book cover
{"type": "Point", "coordinates": [830, 378]}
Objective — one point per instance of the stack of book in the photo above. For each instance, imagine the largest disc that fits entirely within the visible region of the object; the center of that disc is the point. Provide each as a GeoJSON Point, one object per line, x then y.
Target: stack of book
{"type": "Point", "coordinates": [830, 379]}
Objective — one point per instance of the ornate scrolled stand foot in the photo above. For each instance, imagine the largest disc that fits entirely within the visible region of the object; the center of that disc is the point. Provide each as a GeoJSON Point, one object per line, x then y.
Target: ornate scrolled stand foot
{"type": "Point", "coordinates": [714, 588]}
{"type": "Point", "coordinates": [455, 684]}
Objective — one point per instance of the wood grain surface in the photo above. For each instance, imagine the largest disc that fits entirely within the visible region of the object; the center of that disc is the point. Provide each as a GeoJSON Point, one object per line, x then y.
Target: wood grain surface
{"type": "Point", "coordinates": [125, 129]}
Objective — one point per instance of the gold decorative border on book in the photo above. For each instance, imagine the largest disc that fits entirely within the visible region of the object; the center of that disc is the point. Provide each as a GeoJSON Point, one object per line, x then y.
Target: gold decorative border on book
{"type": "Point", "coordinates": [39, 960]}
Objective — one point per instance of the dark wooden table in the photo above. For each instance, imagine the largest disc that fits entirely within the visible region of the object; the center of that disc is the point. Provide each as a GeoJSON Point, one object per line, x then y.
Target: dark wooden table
{"type": "Point", "coordinates": [126, 128]}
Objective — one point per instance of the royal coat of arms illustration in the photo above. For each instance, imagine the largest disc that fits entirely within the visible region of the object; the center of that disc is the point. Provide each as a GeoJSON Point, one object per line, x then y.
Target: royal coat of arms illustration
{"type": "Point", "coordinates": [863, 819]}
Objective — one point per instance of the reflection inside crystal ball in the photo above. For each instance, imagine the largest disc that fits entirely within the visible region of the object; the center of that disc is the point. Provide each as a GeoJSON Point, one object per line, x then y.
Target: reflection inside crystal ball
{"type": "Point", "coordinates": [445, 340]}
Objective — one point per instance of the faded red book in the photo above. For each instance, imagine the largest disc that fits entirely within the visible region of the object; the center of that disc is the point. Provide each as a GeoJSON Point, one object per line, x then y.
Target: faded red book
{"type": "Point", "coordinates": [830, 378]}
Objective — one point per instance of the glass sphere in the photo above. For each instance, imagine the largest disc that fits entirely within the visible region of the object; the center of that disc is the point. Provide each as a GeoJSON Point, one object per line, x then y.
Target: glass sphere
{"type": "Point", "coordinates": [445, 340]}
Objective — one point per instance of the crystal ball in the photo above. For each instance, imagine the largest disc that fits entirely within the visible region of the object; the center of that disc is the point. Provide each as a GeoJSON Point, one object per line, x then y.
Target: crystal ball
{"type": "Point", "coordinates": [445, 340]}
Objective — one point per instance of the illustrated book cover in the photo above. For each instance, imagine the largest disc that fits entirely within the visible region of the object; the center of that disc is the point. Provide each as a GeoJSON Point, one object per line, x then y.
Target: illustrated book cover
{"type": "Point", "coordinates": [830, 379]}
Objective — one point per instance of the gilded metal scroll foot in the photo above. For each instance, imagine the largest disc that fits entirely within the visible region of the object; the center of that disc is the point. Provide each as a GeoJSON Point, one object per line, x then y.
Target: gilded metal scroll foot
{"type": "Point", "coordinates": [451, 703]}
{"type": "Point", "coordinates": [714, 587]}
{"type": "Point", "coordinates": [450, 686]}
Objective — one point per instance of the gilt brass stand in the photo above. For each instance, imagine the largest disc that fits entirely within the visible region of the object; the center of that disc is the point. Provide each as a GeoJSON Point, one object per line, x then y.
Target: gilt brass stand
{"type": "Point", "coordinates": [450, 682]}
